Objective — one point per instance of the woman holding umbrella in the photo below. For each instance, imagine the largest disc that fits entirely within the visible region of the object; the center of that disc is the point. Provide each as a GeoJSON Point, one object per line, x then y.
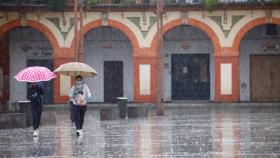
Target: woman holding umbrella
{"type": "Point", "coordinates": [79, 94]}
{"type": "Point", "coordinates": [35, 75]}
{"type": "Point", "coordinates": [35, 95]}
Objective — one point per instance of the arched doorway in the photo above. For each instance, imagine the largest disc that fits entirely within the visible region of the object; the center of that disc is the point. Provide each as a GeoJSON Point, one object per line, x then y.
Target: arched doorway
{"type": "Point", "coordinates": [109, 51]}
{"type": "Point", "coordinates": [188, 64]}
{"type": "Point", "coordinates": [27, 46]}
{"type": "Point", "coordinates": [260, 64]}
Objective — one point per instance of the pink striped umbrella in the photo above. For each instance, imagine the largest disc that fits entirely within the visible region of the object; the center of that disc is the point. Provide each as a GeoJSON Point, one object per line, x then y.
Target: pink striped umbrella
{"type": "Point", "coordinates": [35, 74]}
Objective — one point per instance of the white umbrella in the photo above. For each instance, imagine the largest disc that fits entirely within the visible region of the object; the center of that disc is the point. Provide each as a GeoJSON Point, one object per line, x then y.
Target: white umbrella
{"type": "Point", "coordinates": [75, 69]}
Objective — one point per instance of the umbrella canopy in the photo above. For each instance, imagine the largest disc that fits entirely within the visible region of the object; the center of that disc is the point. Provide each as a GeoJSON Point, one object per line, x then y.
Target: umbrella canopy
{"type": "Point", "coordinates": [75, 69]}
{"type": "Point", "coordinates": [35, 74]}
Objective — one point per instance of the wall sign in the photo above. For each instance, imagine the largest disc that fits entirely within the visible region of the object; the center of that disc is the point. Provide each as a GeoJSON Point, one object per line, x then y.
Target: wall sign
{"type": "Point", "coordinates": [226, 79]}
{"type": "Point", "coordinates": [145, 79]}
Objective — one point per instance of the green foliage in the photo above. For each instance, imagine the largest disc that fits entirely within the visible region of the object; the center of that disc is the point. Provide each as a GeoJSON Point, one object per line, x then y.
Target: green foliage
{"type": "Point", "coordinates": [264, 2]}
{"type": "Point", "coordinates": [129, 2]}
{"type": "Point", "coordinates": [23, 1]}
{"type": "Point", "coordinates": [276, 1]}
{"type": "Point", "coordinates": [92, 2]}
{"type": "Point", "coordinates": [55, 5]}
{"type": "Point", "coordinates": [210, 4]}
{"type": "Point", "coordinates": [257, 1]}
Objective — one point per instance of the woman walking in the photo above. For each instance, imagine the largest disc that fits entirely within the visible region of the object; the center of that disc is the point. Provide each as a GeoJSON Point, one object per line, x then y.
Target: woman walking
{"type": "Point", "coordinates": [35, 95]}
{"type": "Point", "coordinates": [79, 94]}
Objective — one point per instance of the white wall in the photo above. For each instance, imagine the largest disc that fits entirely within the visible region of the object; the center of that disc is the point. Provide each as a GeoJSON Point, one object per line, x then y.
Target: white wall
{"type": "Point", "coordinates": [96, 54]}
{"type": "Point", "coordinates": [200, 44]}
{"type": "Point", "coordinates": [25, 43]}
{"type": "Point", "coordinates": [252, 43]}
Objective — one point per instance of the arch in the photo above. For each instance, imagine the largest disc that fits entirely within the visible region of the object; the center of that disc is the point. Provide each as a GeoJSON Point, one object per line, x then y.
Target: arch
{"type": "Point", "coordinates": [196, 23]}
{"type": "Point", "coordinates": [112, 23]}
{"type": "Point", "coordinates": [5, 28]}
{"type": "Point", "coordinates": [33, 24]}
{"type": "Point", "coordinates": [242, 32]}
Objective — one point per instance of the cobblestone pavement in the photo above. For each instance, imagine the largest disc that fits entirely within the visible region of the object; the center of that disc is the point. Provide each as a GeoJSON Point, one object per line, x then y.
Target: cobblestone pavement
{"type": "Point", "coordinates": [181, 132]}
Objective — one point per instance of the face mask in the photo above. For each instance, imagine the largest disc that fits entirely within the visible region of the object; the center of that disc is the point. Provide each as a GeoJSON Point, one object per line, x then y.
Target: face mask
{"type": "Point", "coordinates": [79, 83]}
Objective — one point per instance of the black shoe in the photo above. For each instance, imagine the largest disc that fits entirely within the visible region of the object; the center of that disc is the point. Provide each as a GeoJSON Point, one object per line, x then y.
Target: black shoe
{"type": "Point", "coordinates": [77, 133]}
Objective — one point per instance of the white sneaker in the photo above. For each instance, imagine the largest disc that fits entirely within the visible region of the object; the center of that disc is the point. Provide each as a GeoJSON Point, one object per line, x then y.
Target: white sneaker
{"type": "Point", "coordinates": [81, 132]}
{"type": "Point", "coordinates": [36, 133]}
{"type": "Point", "coordinates": [80, 140]}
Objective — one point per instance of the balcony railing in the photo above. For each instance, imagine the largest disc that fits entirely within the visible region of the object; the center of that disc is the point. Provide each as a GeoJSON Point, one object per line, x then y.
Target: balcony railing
{"type": "Point", "coordinates": [98, 2]}
{"type": "Point", "coordinates": [245, 1]}
{"type": "Point", "coordinates": [22, 2]}
{"type": "Point", "coordinates": [69, 3]}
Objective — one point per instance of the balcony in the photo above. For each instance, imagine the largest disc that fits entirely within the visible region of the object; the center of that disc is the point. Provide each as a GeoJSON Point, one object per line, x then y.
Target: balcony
{"type": "Point", "coordinates": [97, 2]}
{"type": "Point", "coordinates": [245, 1]}
{"type": "Point", "coordinates": [120, 5]}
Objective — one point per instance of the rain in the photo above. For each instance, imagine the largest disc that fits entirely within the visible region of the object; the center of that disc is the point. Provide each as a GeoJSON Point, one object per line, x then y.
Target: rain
{"type": "Point", "coordinates": [139, 78]}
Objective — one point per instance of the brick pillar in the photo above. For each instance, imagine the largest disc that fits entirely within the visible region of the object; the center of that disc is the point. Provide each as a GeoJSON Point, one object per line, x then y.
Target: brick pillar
{"type": "Point", "coordinates": [227, 78]}
{"type": "Point", "coordinates": [5, 66]}
{"type": "Point", "coordinates": [58, 97]}
{"type": "Point", "coordinates": [62, 56]}
{"type": "Point", "coordinates": [145, 78]}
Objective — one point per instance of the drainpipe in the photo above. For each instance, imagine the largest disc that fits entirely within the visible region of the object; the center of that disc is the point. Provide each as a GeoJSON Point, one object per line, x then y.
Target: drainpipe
{"type": "Point", "coordinates": [76, 29]}
{"type": "Point", "coordinates": [81, 47]}
{"type": "Point", "coordinates": [160, 84]}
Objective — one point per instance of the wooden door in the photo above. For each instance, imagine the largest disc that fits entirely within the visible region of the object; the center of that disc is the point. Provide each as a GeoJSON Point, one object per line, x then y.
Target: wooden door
{"type": "Point", "coordinates": [265, 75]}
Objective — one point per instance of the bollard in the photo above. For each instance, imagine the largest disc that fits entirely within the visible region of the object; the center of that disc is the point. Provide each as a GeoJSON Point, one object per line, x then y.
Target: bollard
{"type": "Point", "coordinates": [25, 107]}
{"type": "Point", "coordinates": [122, 104]}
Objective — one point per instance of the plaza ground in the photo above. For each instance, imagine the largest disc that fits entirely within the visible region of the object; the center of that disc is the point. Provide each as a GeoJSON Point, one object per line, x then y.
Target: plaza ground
{"type": "Point", "coordinates": [195, 130]}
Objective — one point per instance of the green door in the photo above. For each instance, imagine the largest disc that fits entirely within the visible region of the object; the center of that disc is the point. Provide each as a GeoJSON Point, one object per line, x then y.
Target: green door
{"type": "Point", "coordinates": [190, 77]}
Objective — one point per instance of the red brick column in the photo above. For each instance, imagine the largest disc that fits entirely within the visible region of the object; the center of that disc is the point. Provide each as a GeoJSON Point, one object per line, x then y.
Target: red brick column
{"type": "Point", "coordinates": [64, 55]}
{"type": "Point", "coordinates": [5, 65]}
{"type": "Point", "coordinates": [145, 56]}
{"type": "Point", "coordinates": [227, 57]}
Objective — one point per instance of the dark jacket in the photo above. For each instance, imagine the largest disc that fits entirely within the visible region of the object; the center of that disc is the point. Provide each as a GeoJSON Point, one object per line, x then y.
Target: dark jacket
{"type": "Point", "coordinates": [33, 90]}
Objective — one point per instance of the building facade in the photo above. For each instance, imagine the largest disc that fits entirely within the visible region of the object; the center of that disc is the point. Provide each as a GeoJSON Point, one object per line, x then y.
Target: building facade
{"type": "Point", "coordinates": [228, 54]}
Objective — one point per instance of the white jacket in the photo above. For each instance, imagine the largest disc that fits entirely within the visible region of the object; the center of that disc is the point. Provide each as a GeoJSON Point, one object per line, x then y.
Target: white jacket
{"type": "Point", "coordinates": [73, 96]}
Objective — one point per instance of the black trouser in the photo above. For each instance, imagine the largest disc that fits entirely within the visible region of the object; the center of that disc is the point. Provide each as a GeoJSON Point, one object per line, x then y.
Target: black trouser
{"type": "Point", "coordinates": [72, 118]}
{"type": "Point", "coordinates": [36, 110]}
{"type": "Point", "coordinates": [79, 114]}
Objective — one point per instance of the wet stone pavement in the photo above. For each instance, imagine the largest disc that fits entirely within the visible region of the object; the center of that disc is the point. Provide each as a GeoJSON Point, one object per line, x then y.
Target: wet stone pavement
{"type": "Point", "coordinates": [181, 132]}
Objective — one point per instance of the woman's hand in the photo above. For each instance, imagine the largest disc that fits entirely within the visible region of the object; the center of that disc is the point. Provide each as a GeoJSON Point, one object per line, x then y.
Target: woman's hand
{"type": "Point", "coordinates": [34, 95]}
{"type": "Point", "coordinates": [88, 98]}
